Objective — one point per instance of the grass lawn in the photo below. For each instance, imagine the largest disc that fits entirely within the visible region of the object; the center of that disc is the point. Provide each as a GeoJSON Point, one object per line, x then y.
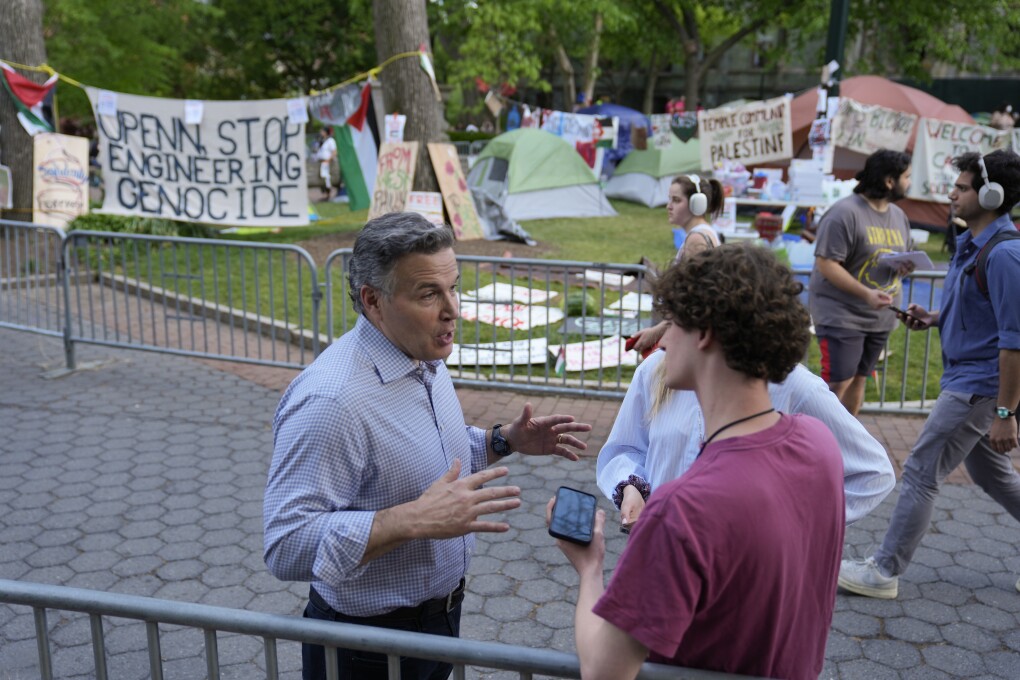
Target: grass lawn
{"type": "Point", "coordinates": [635, 233]}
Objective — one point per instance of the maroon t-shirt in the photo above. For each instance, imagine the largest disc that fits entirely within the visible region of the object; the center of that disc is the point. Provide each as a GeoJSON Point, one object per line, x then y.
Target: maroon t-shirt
{"type": "Point", "coordinates": [733, 566]}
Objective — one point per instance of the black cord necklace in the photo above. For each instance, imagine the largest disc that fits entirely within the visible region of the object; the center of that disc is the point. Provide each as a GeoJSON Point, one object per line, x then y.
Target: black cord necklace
{"type": "Point", "coordinates": [731, 424]}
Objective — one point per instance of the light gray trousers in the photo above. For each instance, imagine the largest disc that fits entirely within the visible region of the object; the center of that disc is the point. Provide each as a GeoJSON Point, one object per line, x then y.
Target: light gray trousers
{"type": "Point", "coordinates": [955, 432]}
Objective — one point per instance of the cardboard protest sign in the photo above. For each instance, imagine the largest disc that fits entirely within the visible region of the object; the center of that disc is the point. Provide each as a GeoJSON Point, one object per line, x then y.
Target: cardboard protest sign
{"type": "Point", "coordinates": [60, 183]}
{"type": "Point", "coordinates": [752, 134]}
{"type": "Point", "coordinates": [244, 164]}
{"type": "Point", "coordinates": [459, 204]}
{"type": "Point", "coordinates": [520, 317]}
{"type": "Point", "coordinates": [394, 176]}
{"type": "Point", "coordinates": [504, 353]}
{"type": "Point", "coordinates": [866, 129]}
{"type": "Point", "coordinates": [938, 142]}
{"type": "Point", "coordinates": [583, 356]}
{"type": "Point", "coordinates": [604, 325]}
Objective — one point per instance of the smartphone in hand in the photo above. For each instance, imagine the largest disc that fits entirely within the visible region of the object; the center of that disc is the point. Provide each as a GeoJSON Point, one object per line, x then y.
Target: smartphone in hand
{"type": "Point", "coordinates": [573, 516]}
{"type": "Point", "coordinates": [904, 313]}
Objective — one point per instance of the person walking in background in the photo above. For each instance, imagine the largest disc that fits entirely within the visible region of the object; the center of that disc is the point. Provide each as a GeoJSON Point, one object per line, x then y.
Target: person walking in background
{"type": "Point", "coordinates": [974, 418]}
{"type": "Point", "coordinates": [693, 204]}
{"type": "Point", "coordinates": [851, 287]}
{"type": "Point", "coordinates": [326, 155]}
{"type": "Point", "coordinates": [376, 488]}
{"type": "Point", "coordinates": [732, 567]}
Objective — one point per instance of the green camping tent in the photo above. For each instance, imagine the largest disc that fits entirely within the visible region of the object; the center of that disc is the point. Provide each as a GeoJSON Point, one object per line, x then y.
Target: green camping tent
{"type": "Point", "coordinates": [644, 176]}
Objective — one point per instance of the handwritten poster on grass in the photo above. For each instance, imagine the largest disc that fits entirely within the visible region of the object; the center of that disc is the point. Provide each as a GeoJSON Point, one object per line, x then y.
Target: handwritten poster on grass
{"type": "Point", "coordinates": [866, 129]}
{"type": "Point", "coordinates": [751, 134]}
{"type": "Point", "coordinates": [394, 176]}
{"type": "Point", "coordinates": [602, 353]}
{"type": "Point", "coordinates": [459, 205]}
{"type": "Point", "coordinates": [243, 164]}
{"type": "Point", "coordinates": [938, 142]}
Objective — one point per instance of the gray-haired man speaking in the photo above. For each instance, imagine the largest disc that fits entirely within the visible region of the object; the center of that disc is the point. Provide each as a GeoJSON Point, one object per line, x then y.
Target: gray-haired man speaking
{"type": "Point", "coordinates": [376, 484]}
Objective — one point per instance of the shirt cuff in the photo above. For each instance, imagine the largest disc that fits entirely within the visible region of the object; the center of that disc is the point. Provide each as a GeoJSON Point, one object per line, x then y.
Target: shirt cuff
{"type": "Point", "coordinates": [343, 547]}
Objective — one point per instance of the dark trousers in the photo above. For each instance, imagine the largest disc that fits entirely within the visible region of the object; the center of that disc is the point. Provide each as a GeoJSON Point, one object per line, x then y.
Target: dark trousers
{"type": "Point", "coordinates": [431, 617]}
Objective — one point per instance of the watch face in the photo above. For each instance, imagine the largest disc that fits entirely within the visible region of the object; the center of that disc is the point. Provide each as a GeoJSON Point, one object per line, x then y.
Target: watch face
{"type": "Point", "coordinates": [1004, 412]}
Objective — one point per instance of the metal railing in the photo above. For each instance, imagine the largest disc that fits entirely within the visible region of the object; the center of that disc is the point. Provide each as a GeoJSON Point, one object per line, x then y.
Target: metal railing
{"type": "Point", "coordinates": [272, 628]}
{"type": "Point", "coordinates": [527, 324]}
{"type": "Point", "coordinates": [31, 278]}
{"type": "Point", "coordinates": [249, 302]}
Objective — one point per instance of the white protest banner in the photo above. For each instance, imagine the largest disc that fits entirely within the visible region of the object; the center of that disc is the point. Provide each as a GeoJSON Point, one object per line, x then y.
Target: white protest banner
{"type": "Point", "coordinates": [604, 353]}
{"type": "Point", "coordinates": [575, 128]}
{"type": "Point", "coordinates": [506, 293]}
{"type": "Point", "coordinates": [752, 134]}
{"type": "Point", "coordinates": [520, 317]}
{"type": "Point", "coordinates": [244, 164]}
{"type": "Point", "coordinates": [504, 353]}
{"type": "Point", "coordinates": [938, 142]}
{"type": "Point", "coordinates": [60, 185]}
{"type": "Point", "coordinates": [866, 129]}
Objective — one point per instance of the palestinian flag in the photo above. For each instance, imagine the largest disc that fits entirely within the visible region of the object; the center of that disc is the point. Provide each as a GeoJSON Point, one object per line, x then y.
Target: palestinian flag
{"type": "Point", "coordinates": [29, 99]}
{"type": "Point", "coordinates": [358, 151]}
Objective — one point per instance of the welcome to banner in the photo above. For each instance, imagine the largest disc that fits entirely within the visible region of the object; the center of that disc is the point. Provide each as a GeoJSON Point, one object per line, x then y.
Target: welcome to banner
{"type": "Point", "coordinates": [754, 133]}
{"type": "Point", "coordinates": [241, 163]}
{"type": "Point", "coordinates": [938, 142]}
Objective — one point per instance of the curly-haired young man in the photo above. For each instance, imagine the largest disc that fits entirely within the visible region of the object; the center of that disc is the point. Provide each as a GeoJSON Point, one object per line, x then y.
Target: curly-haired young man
{"type": "Point", "coordinates": [742, 551]}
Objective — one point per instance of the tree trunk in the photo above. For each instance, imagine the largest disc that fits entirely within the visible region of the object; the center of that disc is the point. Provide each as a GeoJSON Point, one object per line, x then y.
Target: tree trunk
{"type": "Point", "coordinates": [22, 39]}
{"type": "Point", "coordinates": [566, 69]}
{"type": "Point", "coordinates": [401, 26]}
{"type": "Point", "coordinates": [651, 81]}
{"type": "Point", "coordinates": [591, 63]}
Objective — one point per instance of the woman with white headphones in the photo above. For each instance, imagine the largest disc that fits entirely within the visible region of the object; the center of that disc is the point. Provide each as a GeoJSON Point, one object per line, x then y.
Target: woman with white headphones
{"type": "Point", "coordinates": [693, 203]}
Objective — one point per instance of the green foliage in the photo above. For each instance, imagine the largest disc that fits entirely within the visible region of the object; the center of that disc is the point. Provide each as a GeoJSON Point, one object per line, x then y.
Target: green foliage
{"type": "Point", "coordinates": [153, 48]}
{"type": "Point", "coordinates": [141, 225]}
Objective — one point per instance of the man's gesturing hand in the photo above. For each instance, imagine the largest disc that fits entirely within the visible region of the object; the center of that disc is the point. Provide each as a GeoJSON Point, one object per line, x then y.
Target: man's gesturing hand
{"type": "Point", "coordinates": [451, 506]}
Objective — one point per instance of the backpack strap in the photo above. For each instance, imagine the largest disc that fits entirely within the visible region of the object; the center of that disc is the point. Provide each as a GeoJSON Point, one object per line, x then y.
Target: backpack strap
{"type": "Point", "coordinates": [979, 267]}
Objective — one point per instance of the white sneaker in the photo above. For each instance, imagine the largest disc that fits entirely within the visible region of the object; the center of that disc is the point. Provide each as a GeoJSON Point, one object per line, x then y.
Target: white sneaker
{"type": "Point", "coordinates": [863, 577]}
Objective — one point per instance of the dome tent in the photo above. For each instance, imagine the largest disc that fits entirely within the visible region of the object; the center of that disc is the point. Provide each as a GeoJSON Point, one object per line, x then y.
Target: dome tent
{"type": "Point", "coordinates": [644, 176]}
{"type": "Point", "coordinates": [530, 174]}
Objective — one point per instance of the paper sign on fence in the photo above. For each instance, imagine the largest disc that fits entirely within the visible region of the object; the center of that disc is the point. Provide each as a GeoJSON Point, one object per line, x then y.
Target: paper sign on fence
{"type": "Point", "coordinates": [503, 353]}
{"type": "Point", "coordinates": [604, 353]}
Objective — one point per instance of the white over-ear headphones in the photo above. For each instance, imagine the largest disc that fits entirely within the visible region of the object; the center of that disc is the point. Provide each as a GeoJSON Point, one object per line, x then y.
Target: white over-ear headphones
{"type": "Point", "coordinates": [991, 194]}
{"type": "Point", "coordinates": [698, 202]}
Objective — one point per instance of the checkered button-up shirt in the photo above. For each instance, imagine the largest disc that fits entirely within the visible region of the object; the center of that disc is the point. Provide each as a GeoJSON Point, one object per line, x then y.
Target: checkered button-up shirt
{"type": "Point", "coordinates": [360, 430]}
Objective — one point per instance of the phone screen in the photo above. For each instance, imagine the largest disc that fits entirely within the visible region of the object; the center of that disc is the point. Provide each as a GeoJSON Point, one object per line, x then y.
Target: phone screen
{"type": "Point", "coordinates": [573, 516]}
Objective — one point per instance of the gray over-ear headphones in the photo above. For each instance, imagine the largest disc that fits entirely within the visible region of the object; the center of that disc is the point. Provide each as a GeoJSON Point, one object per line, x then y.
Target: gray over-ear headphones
{"type": "Point", "coordinates": [698, 202]}
{"type": "Point", "coordinates": [991, 194]}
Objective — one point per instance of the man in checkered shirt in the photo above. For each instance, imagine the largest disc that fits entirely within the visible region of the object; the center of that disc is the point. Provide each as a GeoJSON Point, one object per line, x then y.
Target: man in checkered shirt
{"type": "Point", "coordinates": [377, 485]}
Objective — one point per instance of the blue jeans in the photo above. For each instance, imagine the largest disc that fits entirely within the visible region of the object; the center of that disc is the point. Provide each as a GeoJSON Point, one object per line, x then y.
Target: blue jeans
{"type": "Point", "coordinates": [359, 665]}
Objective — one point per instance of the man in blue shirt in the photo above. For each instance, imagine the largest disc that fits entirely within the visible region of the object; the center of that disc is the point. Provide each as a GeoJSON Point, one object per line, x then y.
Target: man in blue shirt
{"type": "Point", "coordinates": [974, 419]}
{"type": "Point", "coordinates": [376, 484]}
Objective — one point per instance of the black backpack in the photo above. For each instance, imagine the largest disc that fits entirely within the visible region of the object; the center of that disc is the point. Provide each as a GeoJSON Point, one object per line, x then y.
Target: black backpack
{"type": "Point", "coordinates": [979, 267]}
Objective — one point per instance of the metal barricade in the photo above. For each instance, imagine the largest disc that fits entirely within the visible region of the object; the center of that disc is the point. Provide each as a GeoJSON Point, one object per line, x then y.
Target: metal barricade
{"type": "Point", "coordinates": [532, 325]}
{"type": "Point", "coordinates": [272, 628]}
{"type": "Point", "coordinates": [31, 278]}
{"type": "Point", "coordinates": [215, 299]}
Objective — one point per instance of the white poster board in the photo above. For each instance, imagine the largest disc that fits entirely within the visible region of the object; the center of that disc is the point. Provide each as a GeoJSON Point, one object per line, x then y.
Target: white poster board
{"type": "Point", "coordinates": [755, 133]}
{"type": "Point", "coordinates": [244, 164]}
{"type": "Point", "coordinates": [516, 316]}
{"type": "Point", "coordinates": [938, 142]}
{"type": "Point", "coordinates": [596, 353]}
{"type": "Point", "coordinates": [503, 353]}
{"type": "Point", "coordinates": [60, 183]}
{"type": "Point", "coordinates": [866, 129]}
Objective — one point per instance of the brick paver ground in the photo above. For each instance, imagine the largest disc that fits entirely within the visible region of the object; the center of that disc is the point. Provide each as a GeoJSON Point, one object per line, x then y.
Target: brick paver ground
{"type": "Point", "coordinates": [145, 474]}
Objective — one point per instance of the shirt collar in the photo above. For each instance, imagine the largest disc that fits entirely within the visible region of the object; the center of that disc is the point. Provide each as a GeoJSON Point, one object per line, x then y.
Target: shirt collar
{"type": "Point", "coordinates": [1000, 223]}
{"type": "Point", "coordinates": [390, 362]}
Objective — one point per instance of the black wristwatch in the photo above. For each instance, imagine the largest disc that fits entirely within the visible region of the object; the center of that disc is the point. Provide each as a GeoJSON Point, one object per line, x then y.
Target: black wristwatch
{"type": "Point", "coordinates": [1004, 412]}
{"type": "Point", "coordinates": [500, 446]}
